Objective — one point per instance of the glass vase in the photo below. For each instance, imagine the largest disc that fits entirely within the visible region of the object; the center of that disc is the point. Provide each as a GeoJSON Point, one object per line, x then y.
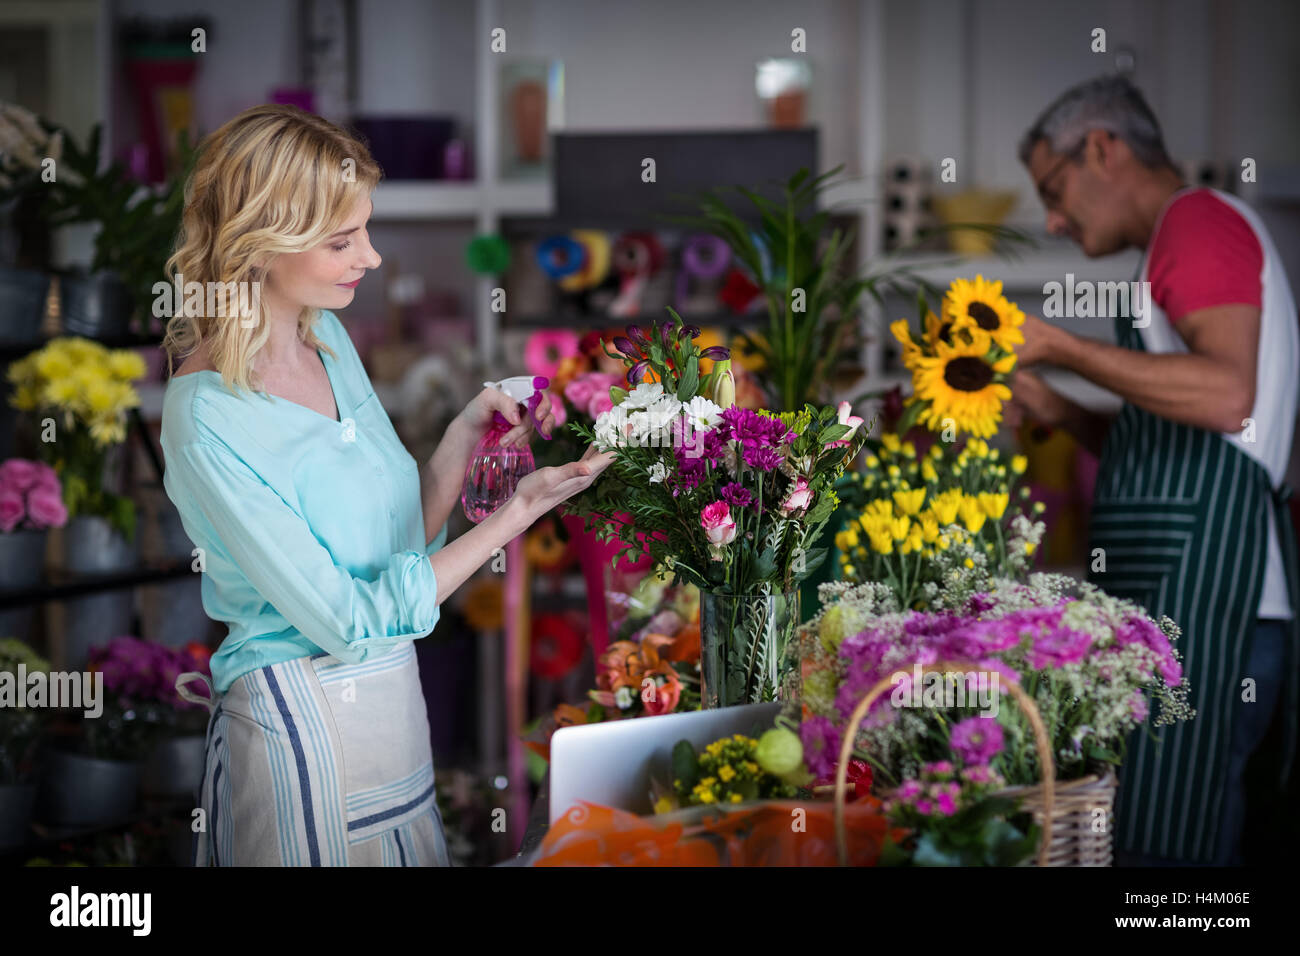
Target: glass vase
{"type": "Point", "coordinates": [748, 651]}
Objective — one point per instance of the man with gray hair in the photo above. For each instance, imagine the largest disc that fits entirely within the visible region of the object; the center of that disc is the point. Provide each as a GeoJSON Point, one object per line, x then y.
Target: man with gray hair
{"type": "Point", "coordinates": [1188, 515]}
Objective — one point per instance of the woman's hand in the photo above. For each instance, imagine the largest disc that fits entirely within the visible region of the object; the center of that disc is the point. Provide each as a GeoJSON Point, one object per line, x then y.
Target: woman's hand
{"type": "Point", "coordinates": [478, 415]}
{"type": "Point", "coordinates": [543, 489]}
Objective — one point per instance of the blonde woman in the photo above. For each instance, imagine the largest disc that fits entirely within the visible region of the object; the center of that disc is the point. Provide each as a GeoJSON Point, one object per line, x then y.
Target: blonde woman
{"type": "Point", "coordinates": [323, 544]}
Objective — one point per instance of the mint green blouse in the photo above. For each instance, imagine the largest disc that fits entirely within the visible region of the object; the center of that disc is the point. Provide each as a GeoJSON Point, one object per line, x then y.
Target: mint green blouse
{"type": "Point", "coordinates": [311, 529]}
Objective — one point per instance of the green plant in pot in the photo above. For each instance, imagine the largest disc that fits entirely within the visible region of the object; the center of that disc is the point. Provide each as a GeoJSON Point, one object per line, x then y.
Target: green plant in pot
{"type": "Point", "coordinates": [137, 227]}
{"type": "Point", "coordinates": [28, 149]}
{"type": "Point", "coordinates": [20, 731]}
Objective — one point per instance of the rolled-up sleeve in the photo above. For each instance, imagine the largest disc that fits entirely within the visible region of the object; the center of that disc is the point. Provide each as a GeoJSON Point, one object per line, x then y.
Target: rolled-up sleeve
{"type": "Point", "coordinates": [275, 549]}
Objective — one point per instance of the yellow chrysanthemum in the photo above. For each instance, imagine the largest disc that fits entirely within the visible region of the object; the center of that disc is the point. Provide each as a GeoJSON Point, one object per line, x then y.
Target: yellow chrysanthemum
{"type": "Point", "coordinates": [899, 527]}
{"type": "Point", "coordinates": [1019, 463]}
{"type": "Point", "coordinates": [126, 365]}
{"type": "Point", "coordinates": [994, 505]}
{"type": "Point", "coordinates": [927, 470]}
{"type": "Point", "coordinates": [882, 543]}
{"type": "Point", "coordinates": [107, 432]}
{"type": "Point", "coordinates": [53, 364]}
{"type": "Point", "coordinates": [61, 392]}
{"type": "Point", "coordinates": [891, 442]}
{"type": "Point", "coordinates": [958, 383]}
{"type": "Point", "coordinates": [909, 501]}
{"type": "Point", "coordinates": [972, 515]}
{"type": "Point", "coordinates": [981, 305]}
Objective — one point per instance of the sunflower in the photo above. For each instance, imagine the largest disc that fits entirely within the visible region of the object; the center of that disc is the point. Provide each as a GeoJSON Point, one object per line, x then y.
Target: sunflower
{"type": "Point", "coordinates": [981, 305]}
{"type": "Point", "coordinates": [961, 384]}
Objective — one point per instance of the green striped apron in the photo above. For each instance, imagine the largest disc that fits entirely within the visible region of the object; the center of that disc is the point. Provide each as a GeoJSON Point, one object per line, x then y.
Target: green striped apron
{"type": "Point", "coordinates": [1181, 515]}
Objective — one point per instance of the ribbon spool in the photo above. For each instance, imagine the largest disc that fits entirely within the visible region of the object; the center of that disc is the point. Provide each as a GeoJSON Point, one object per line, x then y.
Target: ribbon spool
{"type": "Point", "coordinates": [636, 257]}
{"type": "Point", "coordinates": [595, 264]}
{"type": "Point", "coordinates": [488, 255]}
{"type": "Point", "coordinates": [560, 256]}
{"type": "Point", "coordinates": [703, 257]}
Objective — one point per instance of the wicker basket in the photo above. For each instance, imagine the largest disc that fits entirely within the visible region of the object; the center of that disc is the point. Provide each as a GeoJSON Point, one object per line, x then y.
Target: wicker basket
{"type": "Point", "coordinates": [1075, 838]}
{"type": "Point", "coordinates": [1062, 826]}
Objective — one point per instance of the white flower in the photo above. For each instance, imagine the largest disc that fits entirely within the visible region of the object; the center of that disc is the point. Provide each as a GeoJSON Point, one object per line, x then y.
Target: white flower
{"type": "Point", "coordinates": [658, 472]}
{"type": "Point", "coordinates": [643, 396]}
{"type": "Point", "coordinates": [623, 698]}
{"type": "Point", "coordinates": [703, 413]}
{"type": "Point", "coordinates": [665, 409]}
{"type": "Point", "coordinates": [609, 435]}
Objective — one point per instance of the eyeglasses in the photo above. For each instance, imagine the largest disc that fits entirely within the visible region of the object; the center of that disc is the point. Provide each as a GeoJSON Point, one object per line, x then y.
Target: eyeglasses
{"type": "Point", "coordinates": [1050, 197]}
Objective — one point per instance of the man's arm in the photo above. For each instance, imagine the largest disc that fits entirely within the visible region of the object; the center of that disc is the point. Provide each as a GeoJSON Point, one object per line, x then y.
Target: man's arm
{"type": "Point", "coordinates": [1049, 407]}
{"type": "Point", "coordinates": [1212, 386]}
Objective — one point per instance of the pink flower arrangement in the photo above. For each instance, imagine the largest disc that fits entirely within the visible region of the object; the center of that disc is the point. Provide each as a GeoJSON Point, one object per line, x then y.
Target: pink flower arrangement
{"type": "Point", "coordinates": [30, 496]}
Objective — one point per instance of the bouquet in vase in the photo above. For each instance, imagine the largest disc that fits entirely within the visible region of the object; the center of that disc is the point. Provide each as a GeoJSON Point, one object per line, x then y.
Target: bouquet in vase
{"type": "Point", "coordinates": [729, 499]}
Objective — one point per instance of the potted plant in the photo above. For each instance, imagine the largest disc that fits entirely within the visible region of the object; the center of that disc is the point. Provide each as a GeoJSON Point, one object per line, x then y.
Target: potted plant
{"type": "Point", "coordinates": [20, 728]}
{"type": "Point", "coordinates": [96, 780]}
{"type": "Point", "coordinates": [78, 393]}
{"type": "Point", "coordinates": [137, 227]}
{"type": "Point", "coordinates": [175, 766]}
{"type": "Point", "coordinates": [31, 502]}
{"type": "Point", "coordinates": [26, 143]}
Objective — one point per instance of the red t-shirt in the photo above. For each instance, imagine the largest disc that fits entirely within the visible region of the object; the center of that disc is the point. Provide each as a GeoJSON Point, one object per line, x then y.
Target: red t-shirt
{"type": "Point", "coordinates": [1204, 254]}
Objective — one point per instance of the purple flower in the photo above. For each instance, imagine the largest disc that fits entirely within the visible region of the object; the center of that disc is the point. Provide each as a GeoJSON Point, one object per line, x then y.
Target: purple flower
{"type": "Point", "coordinates": [947, 806]}
{"type": "Point", "coordinates": [976, 740]}
{"type": "Point", "coordinates": [636, 335]}
{"type": "Point", "coordinates": [764, 459]}
{"type": "Point", "coordinates": [688, 332]}
{"type": "Point", "coordinates": [637, 372]}
{"type": "Point", "coordinates": [908, 789]}
{"type": "Point", "coordinates": [624, 345]}
{"type": "Point", "coordinates": [736, 495]}
{"type": "Point", "coordinates": [716, 352]}
{"type": "Point", "coordinates": [821, 745]}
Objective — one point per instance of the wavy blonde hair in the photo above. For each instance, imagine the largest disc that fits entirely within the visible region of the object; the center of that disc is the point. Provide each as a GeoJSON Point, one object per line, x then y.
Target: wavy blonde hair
{"type": "Point", "coordinates": [274, 179]}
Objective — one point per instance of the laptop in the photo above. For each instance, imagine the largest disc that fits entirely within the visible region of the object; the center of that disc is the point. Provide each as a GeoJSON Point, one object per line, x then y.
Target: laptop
{"type": "Point", "coordinates": [611, 763]}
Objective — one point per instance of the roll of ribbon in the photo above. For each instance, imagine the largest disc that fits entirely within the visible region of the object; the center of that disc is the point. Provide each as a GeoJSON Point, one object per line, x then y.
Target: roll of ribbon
{"type": "Point", "coordinates": [637, 256]}
{"type": "Point", "coordinates": [560, 256]}
{"type": "Point", "coordinates": [703, 257]}
{"type": "Point", "coordinates": [595, 264]}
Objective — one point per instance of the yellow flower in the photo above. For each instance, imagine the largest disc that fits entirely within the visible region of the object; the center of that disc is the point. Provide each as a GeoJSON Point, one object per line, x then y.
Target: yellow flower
{"type": "Point", "coordinates": [1029, 547]}
{"type": "Point", "coordinates": [1039, 507]}
{"type": "Point", "coordinates": [929, 528]}
{"type": "Point", "coordinates": [53, 363]}
{"type": "Point", "coordinates": [25, 398]}
{"type": "Point", "coordinates": [1019, 463]}
{"type": "Point", "coordinates": [126, 364]}
{"type": "Point", "coordinates": [994, 505]}
{"type": "Point", "coordinates": [972, 515]}
{"type": "Point", "coordinates": [914, 540]}
{"type": "Point", "coordinates": [894, 471]}
{"type": "Point", "coordinates": [61, 392]}
{"type": "Point", "coordinates": [726, 773]}
{"type": "Point", "coordinates": [890, 441]}
{"type": "Point", "coordinates": [849, 571]}
{"type": "Point", "coordinates": [101, 396]}
{"type": "Point", "coordinates": [980, 305]}
{"type": "Point", "coordinates": [978, 447]}
{"type": "Point", "coordinates": [882, 542]}
{"type": "Point", "coordinates": [899, 527]}
{"type": "Point", "coordinates": [846, 540]}
{"type": "Point", "coordinates": [873, 461]}
{"type": "Point", "coordinates": [946, 506]}
{"type": "Point", "coordinates": [107, 432]}
{"type": "Point", "coordinates": [663, 805]}
{"type": "Point", "coordinates": [969, 563]}
{"type": "Point", "coordinates": [958, 383]}
{"type": "Point", "coordinates": [936, 451]}
{"type": "Point", "coordinates": [909, 449]}
{"type": "Point", "coordinates": [928, 472]}
{"type": "Point", "coordinates": [909, 501]}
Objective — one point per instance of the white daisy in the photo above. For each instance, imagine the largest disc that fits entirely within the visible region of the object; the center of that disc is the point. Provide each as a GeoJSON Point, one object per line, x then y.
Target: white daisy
{"type": "Point", "coordinates": [703, 413]}
{"type": "Point", "coordinates": [643, 396]}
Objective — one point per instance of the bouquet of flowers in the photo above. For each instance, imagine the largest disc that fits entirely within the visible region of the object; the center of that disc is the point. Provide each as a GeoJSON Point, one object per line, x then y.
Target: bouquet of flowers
{"type": "Point", "coordinates": [31, 497]}
{"type": "Point", "coordinates": [910, 507]}
{"type": "Point", "coordinates": [960, 363]}
{"type": "Point", "coordinates": [727, 498]}
{"type": "Point", "coordinates": [142, 705]}
{"type": "Point", "coordinates": [1094, 664]}
{"type": "Point", "coordinates": [86, 390]}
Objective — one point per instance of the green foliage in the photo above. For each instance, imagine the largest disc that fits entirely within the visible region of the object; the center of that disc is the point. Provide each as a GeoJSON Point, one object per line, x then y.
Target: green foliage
{"type": "Point", "coordinates": [137, 224]}
{"type": "Point", "coordinates": [981, 834]}
{"type": "Point", "coordinates": [796, 248]}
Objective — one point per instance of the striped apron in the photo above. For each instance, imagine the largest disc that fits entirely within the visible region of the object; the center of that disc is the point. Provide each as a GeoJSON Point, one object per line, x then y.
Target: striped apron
{"type": "Point", "coordinates": [315, 762]}
{"type": "Point", "coordinates": [1182, 517]}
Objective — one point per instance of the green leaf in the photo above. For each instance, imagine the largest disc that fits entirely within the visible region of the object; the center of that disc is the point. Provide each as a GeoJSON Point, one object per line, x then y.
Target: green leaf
{"type": "Point", "coordinates": [686, 763]}
{"type": "Point", "coordinates": [686, 388]}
